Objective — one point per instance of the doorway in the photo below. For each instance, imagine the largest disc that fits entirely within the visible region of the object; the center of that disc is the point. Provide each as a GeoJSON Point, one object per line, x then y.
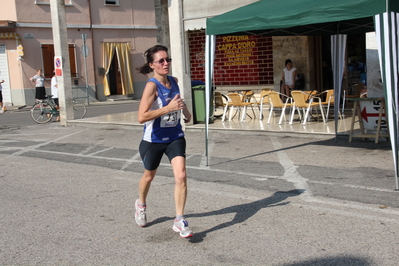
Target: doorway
{"type": "Point", "coordinates": [114, 75]}
{"type": "Point", "coordinates": [117, 66]}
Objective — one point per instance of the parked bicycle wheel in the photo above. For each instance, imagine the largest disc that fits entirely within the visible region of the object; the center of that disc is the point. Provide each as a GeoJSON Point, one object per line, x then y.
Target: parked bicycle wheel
{"type": "Point", "coordinates": [220, 102]}
{"type": "Point", "coordinates": [41, 113]}
{"type": "Point", "coordinates": [218, 111]}
{"type": "Point", "coordinates": [79, 109]}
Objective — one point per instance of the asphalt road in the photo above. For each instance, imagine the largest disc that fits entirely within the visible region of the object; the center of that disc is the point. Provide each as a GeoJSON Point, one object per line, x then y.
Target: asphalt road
{"type": "Point", "coordinates": [67, 198]}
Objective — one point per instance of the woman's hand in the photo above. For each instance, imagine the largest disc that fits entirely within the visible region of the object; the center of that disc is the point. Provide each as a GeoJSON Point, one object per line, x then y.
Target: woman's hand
{"type": "Point", "coordinates": [176, 104]}
{"type": "Point", "coordinates": [187, 115]}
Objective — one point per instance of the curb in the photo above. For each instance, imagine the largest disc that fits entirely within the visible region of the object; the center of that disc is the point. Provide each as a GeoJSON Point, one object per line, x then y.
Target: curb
{"type": "Point", "coordinates": [21, 108]}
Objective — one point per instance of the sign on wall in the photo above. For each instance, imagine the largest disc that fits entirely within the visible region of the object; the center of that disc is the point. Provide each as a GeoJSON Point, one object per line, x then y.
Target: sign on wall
{"type": "Point", "coordinates": [237, 50]}
{"type": "Point", "coordinates": [58, 65]}
{"type": "Point", "coordinates": [239, 60]}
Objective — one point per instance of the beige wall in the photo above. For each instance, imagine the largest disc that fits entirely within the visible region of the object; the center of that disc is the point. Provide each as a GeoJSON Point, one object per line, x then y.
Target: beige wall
{"type": "Point", "coordinates": [140, 40]}
{"type": "Point", "coordinates": [132, 21]}
{"type": "Point", "coordinates": [374, 84]}
{"type": "Point", "coordinates": [195, 13]}
{"type": "Point", "coordinates": [128, 13]}
{"type": "Point", "coordinates": [29, 12]}
{"type": "Point", "coordinates": [8, 10]}
{"type": "Point", "coordinates": [298, 49]}
{"type": "Point", "coordinates": [14, 77]}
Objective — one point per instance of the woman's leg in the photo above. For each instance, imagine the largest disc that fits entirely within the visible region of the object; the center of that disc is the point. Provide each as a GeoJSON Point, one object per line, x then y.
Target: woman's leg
{"type": "Point", "coordinates": [144, 185]}
{"type": "Point", "coordinates": [286, 91]}
{"type": "Point", "coordinates": [179, 171]}
{"type": "Point", "coordinates": [151, 154]}
{"type": "Point", "coordinates": [140, 204]}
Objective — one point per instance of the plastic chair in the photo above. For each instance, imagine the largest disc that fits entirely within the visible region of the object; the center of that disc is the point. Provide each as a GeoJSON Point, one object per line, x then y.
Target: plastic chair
{"type": "Point", "coordinates": [300, 103]}
{"type": "Point", "coordinates": [276, 102]}
{"type": "Point", "coordinates": [328, 101]}
{"type": "Point", "coordinates": [264, 99]}
{"type": "Point", "coordinates": [309, 94]}
{"type": "Point", "coordinates": [249, 96]}
{"type": "Point", "coordinates": [235, 101]}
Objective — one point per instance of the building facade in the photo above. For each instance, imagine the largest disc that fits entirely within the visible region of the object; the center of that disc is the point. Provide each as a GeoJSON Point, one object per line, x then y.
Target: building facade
{"type": "Point", "coordinates": [106, 41]}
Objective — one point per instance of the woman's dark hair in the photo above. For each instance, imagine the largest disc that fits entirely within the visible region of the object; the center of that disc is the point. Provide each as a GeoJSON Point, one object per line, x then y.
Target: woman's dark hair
{"type": "Point", "coordinates": [149, 55]}
{"type": "Point", "coordinates": [288, 61]}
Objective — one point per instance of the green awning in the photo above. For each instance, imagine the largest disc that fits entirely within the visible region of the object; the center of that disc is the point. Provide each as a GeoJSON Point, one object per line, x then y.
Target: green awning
{"type": "Point", "coordinates": [300, 17]}
{"type": "Point", "coordinates": [325, 17]}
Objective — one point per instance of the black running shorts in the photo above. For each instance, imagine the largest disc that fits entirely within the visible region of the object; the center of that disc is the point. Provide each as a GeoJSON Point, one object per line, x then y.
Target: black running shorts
{"type": "Point", "coordinates": [151, 153]}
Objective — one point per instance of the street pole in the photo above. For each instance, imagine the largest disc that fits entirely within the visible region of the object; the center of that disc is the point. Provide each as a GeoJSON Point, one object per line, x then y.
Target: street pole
{"type": "Point", "coordinates": [61, 51]}
{"type": "Point", "coordinates": [85, 53]}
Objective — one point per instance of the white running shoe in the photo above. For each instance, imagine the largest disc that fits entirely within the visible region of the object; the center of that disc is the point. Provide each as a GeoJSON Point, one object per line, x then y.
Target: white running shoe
{"type": "Point", "coordinates": [182, 227]}
{"type": "Point", "coordinates": [140, 215]}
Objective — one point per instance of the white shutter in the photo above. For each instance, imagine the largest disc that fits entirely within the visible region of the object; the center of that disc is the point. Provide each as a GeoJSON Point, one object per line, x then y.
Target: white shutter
{"type": "Point", "coordinates": [4, 74]}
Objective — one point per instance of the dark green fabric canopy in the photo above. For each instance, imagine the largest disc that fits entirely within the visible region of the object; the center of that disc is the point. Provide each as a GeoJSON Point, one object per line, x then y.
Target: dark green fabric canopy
{"type": "Point", "coordinates": [322, 17]}
{"type": "Point", "coordinates": [300, 17]}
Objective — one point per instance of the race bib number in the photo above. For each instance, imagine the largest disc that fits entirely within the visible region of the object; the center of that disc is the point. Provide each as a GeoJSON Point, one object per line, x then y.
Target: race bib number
{"type": "Point", "coordinates": [170, 119]}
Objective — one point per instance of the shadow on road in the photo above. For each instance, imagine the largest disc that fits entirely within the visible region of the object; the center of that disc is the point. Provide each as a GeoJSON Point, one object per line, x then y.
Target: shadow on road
{"type": "Point", "coordinates": [344, 260]}
{"type": "Point", "coordinates": [243, 211]}
{"type": "Point", "coordinates": [341, 142]}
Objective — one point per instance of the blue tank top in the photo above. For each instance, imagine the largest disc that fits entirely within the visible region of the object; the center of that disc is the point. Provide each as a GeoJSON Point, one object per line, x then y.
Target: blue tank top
{"type": "Point", "coordinates": [166, 128]}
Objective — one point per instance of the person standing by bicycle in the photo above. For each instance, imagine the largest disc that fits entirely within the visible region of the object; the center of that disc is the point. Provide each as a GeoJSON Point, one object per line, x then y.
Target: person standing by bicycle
{"type": "Point", "coordinates": [160, 110]}
{"type": "Point", "coordinates": [54, 92]}
{"type": "Point", "coordinates": [39, 79]}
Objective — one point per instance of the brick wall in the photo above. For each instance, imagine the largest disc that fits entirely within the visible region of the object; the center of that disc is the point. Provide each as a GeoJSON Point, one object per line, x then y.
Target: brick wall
{"type": "Point", "coordinates": [239, 60]}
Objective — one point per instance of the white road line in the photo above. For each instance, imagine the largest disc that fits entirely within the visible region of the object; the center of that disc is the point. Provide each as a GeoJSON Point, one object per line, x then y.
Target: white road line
{"type": "Point", "coordinates": [33, 147]}
{"type": "Point", "coordinates": [203, 159]}
{"type": "Point", "coordinates": [133, 159]}
{"type": "Point", "coordinates": [291, 174]}
{"type": "Point", "coordinates": [97, 152]}
{"type": "Point", "coordinates": [351, 213]}
{"type": "Point", "coordinates": [7, 141]}
{"type": "Point", "coordinates": [136, 159]}
{"type": "Point", "coordinates": [190, 156]}
{"type": "Point", "coordinates": [352, 186]}
{"type": "Point", "coordinates": [344, 204]}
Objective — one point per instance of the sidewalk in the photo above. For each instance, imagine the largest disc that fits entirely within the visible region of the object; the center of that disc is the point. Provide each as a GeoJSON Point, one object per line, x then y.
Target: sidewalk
{"type": "Point", "coordinates": [253, 125]}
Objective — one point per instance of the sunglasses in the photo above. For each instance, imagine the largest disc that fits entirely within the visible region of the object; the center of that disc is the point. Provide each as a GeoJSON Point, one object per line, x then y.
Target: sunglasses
{"type": "Point", "coordinates": [163, 60]}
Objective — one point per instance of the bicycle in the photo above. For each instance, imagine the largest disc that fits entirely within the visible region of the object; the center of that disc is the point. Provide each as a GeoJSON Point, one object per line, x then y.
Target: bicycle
{"type": "Point", "coordinates": [44, 110]}
{"type": "Point", "coordinates": [220, 101]}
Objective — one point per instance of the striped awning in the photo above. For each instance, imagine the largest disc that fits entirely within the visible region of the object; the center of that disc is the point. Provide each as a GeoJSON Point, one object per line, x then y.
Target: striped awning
{"type": "Point", "coordinates": [387, 35]}
{"type": "Point", "coordinates": [13, 35]}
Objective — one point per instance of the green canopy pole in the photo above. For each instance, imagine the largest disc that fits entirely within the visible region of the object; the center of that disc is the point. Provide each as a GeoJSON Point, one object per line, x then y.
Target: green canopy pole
{"type": "Point", "coordinates": [209, 59]}
{"type": "Point", "coordinates": [338, 48]}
